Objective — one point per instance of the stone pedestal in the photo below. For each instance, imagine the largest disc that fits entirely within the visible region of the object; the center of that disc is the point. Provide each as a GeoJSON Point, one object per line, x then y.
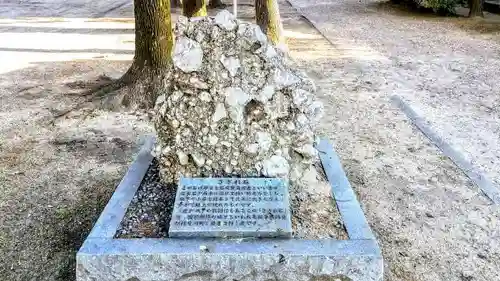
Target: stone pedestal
{"type": "Point", "coordinates": [104, 258]}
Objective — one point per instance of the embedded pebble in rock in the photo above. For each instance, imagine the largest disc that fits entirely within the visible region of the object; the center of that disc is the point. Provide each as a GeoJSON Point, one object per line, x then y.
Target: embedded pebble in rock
{"type": "Point", "coordinates": [187, 54]}
{"type": "Point", "coordinates": [232, 64]}
{"type": "Point", "coordinates": [276, 166]}
{"type": "Point", "coordinates": [236, 100]}
{"type": "Point", "coordinates": [234, 105]}
{"type": "Point", "coordinates": [220, 112]}
{"type": "Point", "coordinates": [225, 20]}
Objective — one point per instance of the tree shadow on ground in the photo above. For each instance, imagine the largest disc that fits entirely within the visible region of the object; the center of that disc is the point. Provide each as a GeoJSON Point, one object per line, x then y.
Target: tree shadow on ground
{"type": "Point", "coordinates": [490, 24]}
{"type": "Point", "coordinates": [71, 223]}
{"type": "Point", "coordinates": [56, 177]}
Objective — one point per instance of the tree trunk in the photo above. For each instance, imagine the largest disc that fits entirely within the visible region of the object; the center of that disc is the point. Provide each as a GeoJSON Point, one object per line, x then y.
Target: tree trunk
{"type": "Point", "coordinates": [194, 8]}
{"type": "Point", "coordinates": [268, 19]}
{"type": "Point", "coordinates": [475, 8]}
{"type": "Point", "coordinates": [153, 33]}
{"type": "Point", "coordinates": [151, 67]}
{"type": "Point", "coordinates": [154, 41]}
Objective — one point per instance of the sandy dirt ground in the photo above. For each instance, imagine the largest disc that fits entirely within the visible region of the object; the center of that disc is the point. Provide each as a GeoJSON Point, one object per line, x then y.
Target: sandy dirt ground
{"type": "Point", "coordinates": [432, 222]}
{"type": "Point", "coordinates": [56, 175]}
{"type": "Point", "coordinates": [447, 74]}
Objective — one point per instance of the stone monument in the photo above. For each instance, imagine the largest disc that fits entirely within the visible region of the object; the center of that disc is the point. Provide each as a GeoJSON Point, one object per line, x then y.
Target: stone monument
{"type": "Point", "coordinates": [234, 105]}
{"type": "Point", "coordinates": [235, 128]}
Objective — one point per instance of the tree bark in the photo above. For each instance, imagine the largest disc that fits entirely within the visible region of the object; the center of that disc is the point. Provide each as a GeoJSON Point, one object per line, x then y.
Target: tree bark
{"type": "Point", "coordinates": [194, 8]}
{"type": "Point", "coordinates": [154, 41]}
{"type": "Point", "coordinates": [153, 33]}
{"type": "Point", "coordinates": [268, 19]}
{"type": "Point", "coordinates": [475, 8]}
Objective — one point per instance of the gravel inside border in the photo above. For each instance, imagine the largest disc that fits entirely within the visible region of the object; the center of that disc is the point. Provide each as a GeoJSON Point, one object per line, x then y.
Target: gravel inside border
{"type": "Point", "coordinates": [149, 213]}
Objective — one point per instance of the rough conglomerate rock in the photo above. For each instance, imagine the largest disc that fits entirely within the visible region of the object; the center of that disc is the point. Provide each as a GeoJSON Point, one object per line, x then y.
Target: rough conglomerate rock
{"type": "Point", "coordinates": [234, 106]}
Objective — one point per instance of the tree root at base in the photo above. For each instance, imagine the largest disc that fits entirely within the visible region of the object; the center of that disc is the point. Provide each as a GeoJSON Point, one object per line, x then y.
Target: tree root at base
{"type": "Point", "coordinates": [136, 89]}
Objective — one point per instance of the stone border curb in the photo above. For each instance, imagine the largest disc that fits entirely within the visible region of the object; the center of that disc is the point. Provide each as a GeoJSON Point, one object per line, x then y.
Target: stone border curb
{"type": "Point", "coordinates": [103, 257]}
{"type": "Point", "coordinates": [476, 175]}
{"type": "Point", "coordinates": [352, 215]}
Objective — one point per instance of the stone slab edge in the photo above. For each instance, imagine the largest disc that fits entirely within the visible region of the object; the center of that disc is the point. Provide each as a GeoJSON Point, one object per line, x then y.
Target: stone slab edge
{"type": "Point", "coordinates": [101, 244]}
{"type": "Point", "coordinates": [475, 174]}
{"type": "Point", "coordinates": [352, 215]}
{"type": "Point", "coordinates": [110, 218]}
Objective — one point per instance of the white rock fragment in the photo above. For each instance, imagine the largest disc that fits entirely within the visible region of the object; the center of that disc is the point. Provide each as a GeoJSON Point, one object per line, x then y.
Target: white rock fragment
{"type": "Point", "coordinates": [199, 37]}
{"type": "Point", "coordinates": [205, 96]}
{"type": "Point", "coordinates": [157, 150]}
{"type": "Point", "coordinates": [279, 107]}
{"type": "Point", "coordinates": [307, 151]}
{"type": "Point", "coordinates": [310, 176]}
{"type": "Point", "coordinates": [176, 96]}
{"type": "Point", "coordinates": [264, 141]}
{"type": "Point", "coordinates": [226, 20]}
{"type": "Point", "coordinates": [283, 78]}
{"type": "Point", "coordinates": [163, 109]}
{"type": "Point", "coordinates": [198, 160]}
{"type": "Point", "coordinates": [232, 64]}
{"type": "Point", "coordinates": [181, 24]}
{"type": "Point", "coordinates": [266, 93]}
{"type": "Point", "coordinates": [212, 140]}
{"type": "Point", "coordinates": [183, 158]}
{"type": "Point", "coordinates": [236, 99]}
{"type": "Point", "coordinates": [166, 150]}
{"type": "Point", "coordinates": [276, 166]}
{"type": "Point", "coordinates": [317, 140]}
{"type": "Point", "coordinates": [296, 173]}
{"type": "Point", "coordinates": [220, 112]}
{"type": "Point", "coordinates": [270, 52]}
{"type": "Point", "coordinates": [252, 148]}
{"type": "Point", "coordinates": [197, 83]}
{"type": "Point", "coordinates": [252, 33]}
{"type": "Point", "coordinates": [301, 97]}
{"type": "Point", "coordinates": [204, 249]}
{"type": "Point", "coordinates": [175, 123]}
{"type": "Point", "coordinates": [315, 110]}
{"type": "Point", "coordinates": [160, 100]}
{"type": "Point", "coordinates": [188, 55]}
{"type": "Point", "coordinates": [302, 121]}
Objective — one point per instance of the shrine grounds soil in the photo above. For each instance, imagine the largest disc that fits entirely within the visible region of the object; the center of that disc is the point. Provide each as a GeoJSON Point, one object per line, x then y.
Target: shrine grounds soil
{"type": "Point", "coordinates": [57, 175]}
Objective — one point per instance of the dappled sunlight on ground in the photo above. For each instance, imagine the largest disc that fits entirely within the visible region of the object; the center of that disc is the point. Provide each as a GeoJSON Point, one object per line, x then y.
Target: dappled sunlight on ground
{"type": "Point", "coordinates": [40, 40]}
{"type": "Point", "coordinates": [489, 25]}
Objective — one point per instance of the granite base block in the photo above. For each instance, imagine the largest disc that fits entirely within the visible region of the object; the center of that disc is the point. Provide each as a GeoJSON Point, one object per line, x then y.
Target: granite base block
{"type": "Point", "coordinates": [227, 267]}
{"type": "Point", "coordinates": [103, 258]}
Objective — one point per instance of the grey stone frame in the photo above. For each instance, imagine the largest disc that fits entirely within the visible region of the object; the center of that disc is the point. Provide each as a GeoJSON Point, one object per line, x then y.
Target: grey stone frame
{"type": "Point", "coordinates": [102, 257]}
